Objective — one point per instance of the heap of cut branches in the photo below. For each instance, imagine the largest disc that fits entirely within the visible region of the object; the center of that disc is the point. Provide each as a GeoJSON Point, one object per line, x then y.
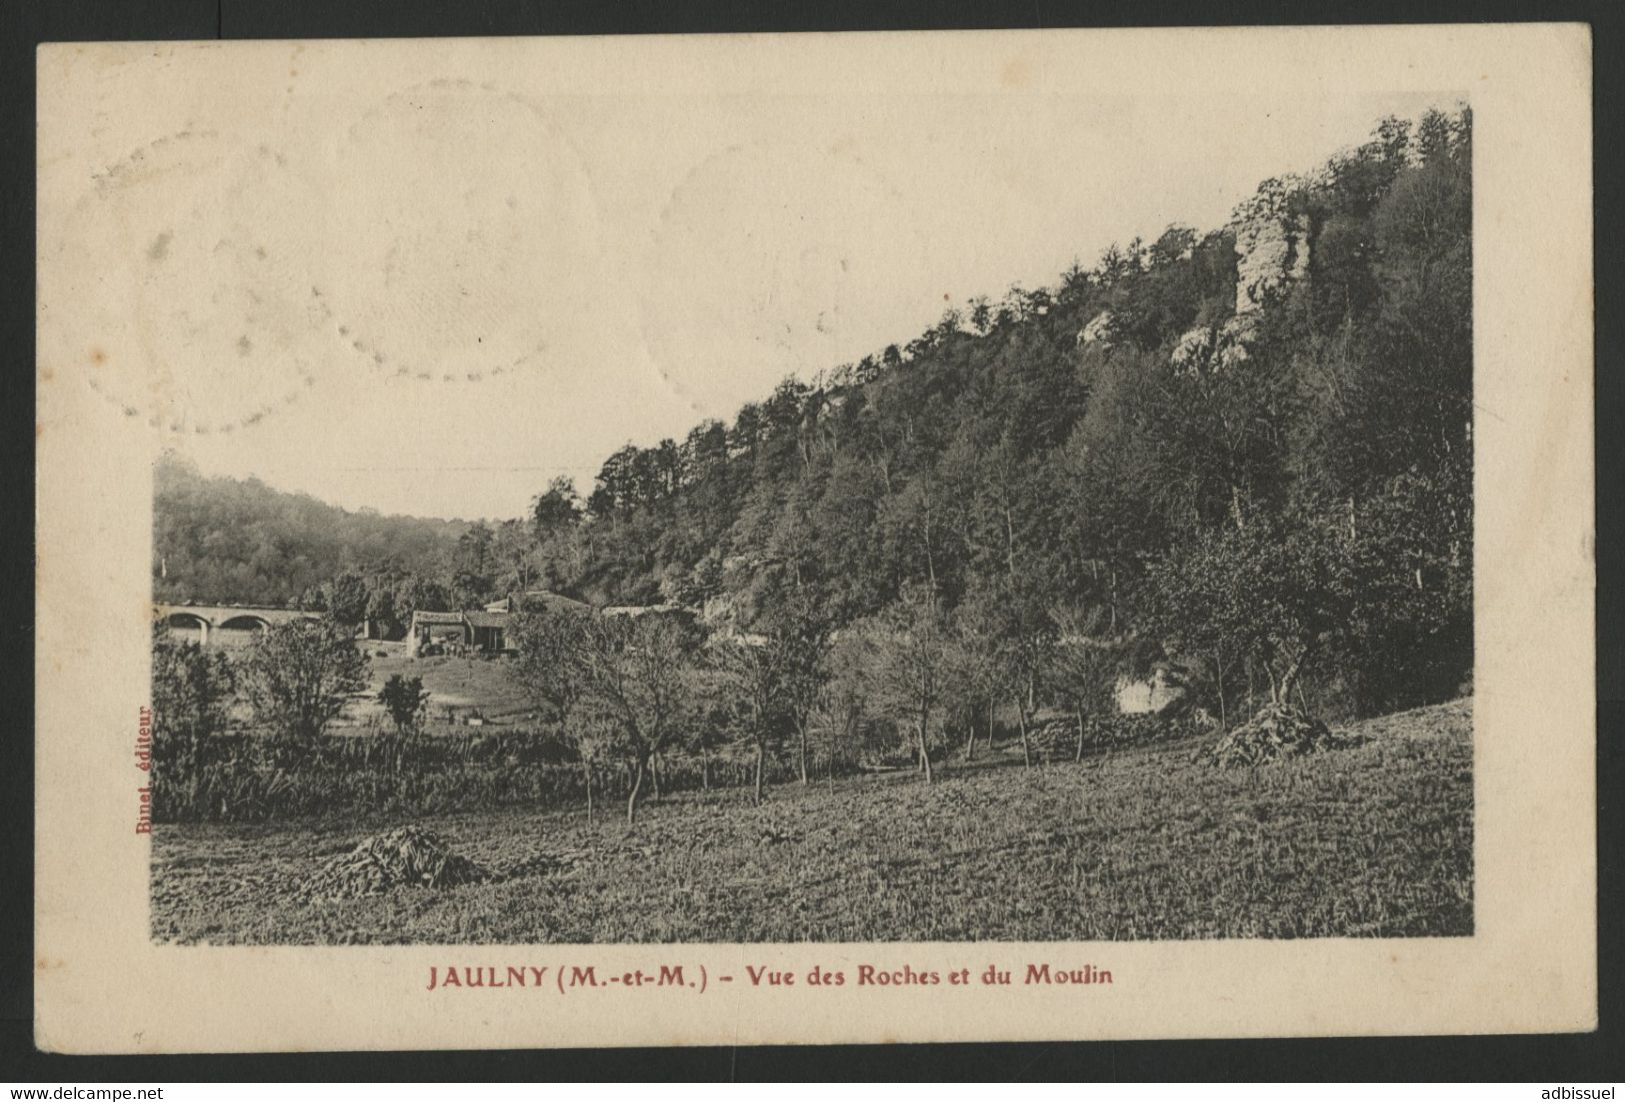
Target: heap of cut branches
{"type": "Point", "coordinates": [407, 855]}
{"type": "Point", "coordinates": [1277, 731]}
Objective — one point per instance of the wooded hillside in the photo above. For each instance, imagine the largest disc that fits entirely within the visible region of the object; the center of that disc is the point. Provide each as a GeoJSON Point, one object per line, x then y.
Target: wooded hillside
{"type": "Point", "coordinates": [220, 540]}
{"type": "Point", "coordinates": [1278, 491]}
{"type": "Point", "coordinates": [1245, 451]}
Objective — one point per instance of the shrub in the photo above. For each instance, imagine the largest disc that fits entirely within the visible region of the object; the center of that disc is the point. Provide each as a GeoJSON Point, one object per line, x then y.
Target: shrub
{"type": "Point", "coordinates": [406, 702]}
{"type": "Point", "coordinates": [298, 676]}
{"type": "Point", "coordinates": [192, 692]}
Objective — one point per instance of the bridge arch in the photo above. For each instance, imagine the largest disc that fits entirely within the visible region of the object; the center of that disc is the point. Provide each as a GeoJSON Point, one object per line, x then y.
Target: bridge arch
{"type": "Point", "coordinates": [188, 627]}
{"type": "Point", "coordinates": [242, 628]}
{"type": "Point", "coordinates": [225, 624]}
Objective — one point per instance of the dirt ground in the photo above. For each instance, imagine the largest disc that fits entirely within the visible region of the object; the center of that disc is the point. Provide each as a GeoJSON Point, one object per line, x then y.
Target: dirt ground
{"type": "Point", "coordinates": [1366, 842]}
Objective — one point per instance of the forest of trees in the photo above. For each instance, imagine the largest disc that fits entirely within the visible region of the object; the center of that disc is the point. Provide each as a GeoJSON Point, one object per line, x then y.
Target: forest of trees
{"type": "Point", "coordinates": [1115, 463]}
{"type": "Point", "coordinates": [1294, 510]}
{"type": "Point", "coordinates": [224, 541]}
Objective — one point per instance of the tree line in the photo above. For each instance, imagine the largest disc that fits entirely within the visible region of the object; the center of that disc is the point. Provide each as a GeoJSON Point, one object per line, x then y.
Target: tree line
{"type": "Point", "coordinates": [631, 695]}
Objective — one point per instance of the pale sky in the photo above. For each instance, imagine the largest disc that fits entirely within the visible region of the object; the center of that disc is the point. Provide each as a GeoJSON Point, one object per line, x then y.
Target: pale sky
{"type": "Point", "coordinates": [598, 269]}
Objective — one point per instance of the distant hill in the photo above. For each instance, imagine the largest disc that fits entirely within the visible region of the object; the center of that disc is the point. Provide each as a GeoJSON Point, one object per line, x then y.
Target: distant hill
{"type": "Point", "coordinates": [224, 540]}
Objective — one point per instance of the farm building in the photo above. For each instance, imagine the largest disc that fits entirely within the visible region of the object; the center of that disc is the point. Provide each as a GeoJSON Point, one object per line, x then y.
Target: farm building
{"type": "Point", "coordinates": [437, 629]}
{"type": "Point", "coordinates": [485, 632]}
{"type": "Point", "coordinates": [488, 631]}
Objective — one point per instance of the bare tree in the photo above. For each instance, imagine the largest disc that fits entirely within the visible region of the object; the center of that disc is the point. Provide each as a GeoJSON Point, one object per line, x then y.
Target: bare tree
{"type": "Point", "coordinates": [635, 673]}
{"type": "Point", "coordinates": [754, 672]}
{"type": "Point", "coordinates": [802, 630]}
{"type": "Point", "coordinates": [909, 645]}
{"type": "Point", "coordinates": [551, 643]}
{"type": "Point", "coordinates": [1026, 638]}
{"type": "Point", "coordinates": [974, 657]}
{"type": "Point", "coordinates": [1082, 664]}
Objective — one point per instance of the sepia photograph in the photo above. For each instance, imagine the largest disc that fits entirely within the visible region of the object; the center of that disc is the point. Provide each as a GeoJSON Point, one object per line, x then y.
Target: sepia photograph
{"type": "Point", "coordinates": [862, 513]}
{"type": "Point", "coordinates": [1131, 597]}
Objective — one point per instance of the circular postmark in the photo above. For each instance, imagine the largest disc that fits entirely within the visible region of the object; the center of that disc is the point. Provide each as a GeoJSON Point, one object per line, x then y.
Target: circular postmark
{"type": "Point", "coordinates": [462, 236]}
{"type": "Point", "coordinates": [177, 287]}
{"type": "Point", "coordinates": [772, 258]}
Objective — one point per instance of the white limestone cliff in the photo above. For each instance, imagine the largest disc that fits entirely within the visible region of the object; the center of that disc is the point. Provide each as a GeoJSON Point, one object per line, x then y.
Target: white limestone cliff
{"type": "Point", "coordinates": [1272, 245]}
{"type": "Point", "coordinates": [1098, 329]}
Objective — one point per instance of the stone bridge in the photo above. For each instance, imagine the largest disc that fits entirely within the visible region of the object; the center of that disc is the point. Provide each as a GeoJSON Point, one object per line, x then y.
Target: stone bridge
{"type": "Point", "coordinates": [225, 625]}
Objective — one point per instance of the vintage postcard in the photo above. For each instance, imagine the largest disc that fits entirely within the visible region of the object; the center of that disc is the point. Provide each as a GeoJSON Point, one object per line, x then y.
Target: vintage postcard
{"type": "Point", "coordinates": [748, 539]}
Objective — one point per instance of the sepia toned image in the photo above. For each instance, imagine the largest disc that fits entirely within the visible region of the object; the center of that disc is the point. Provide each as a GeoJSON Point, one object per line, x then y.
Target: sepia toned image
{"type": "Point", "coordinates": [1133, 604]}
{"type": "Point", "coordinates": [773, 524]}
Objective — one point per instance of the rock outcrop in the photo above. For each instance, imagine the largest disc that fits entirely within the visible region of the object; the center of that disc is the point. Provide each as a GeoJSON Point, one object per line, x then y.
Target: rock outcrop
{"type": "Point", "coordinates": [1098, 329]}
{"type": "Point", "coordinates": [1147, 697]}
{"type": "Point", "coordinates": [1214, 349]}
{"type": "Point", "coordinates": [1194, 348]}
{"type": "Point", "coordinates": [1272, 245]}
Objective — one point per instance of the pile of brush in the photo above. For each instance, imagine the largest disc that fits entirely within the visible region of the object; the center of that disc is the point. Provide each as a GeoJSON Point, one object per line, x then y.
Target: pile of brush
{"type": "Point", "coordinates": [1277, 731]}
{"type": "Point", "coordinates": [408, 855]}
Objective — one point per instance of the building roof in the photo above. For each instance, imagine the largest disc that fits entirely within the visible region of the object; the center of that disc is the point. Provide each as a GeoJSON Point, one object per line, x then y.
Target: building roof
{"type": "Point", "coordinates": [419, 616]}
{"type": "Point", "coordinates": [488, 619]}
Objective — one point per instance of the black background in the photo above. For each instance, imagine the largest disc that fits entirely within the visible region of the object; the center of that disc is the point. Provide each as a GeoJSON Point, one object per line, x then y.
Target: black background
{"type": "Point", "coordinates": [1562, 1059]}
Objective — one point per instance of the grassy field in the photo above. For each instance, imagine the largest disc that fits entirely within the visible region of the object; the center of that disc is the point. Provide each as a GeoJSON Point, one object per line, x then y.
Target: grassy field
{"type": "Point", "coordinates": [1372, 841]}
{"type": "Point", "coordinates": [466, 685]}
